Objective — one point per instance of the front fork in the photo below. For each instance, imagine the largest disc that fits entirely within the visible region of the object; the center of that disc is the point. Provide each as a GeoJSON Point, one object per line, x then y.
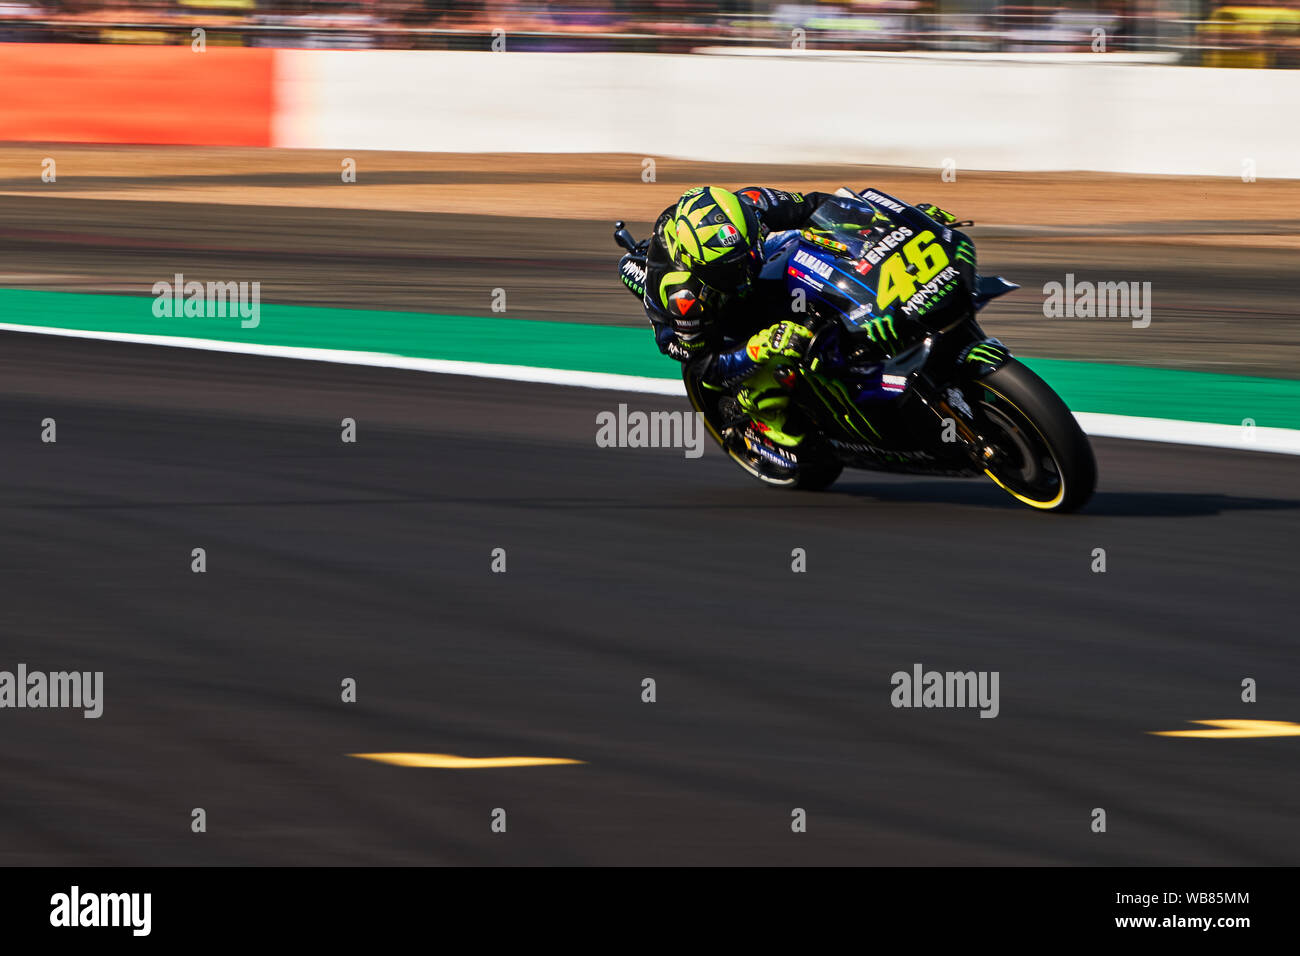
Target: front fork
{"type": "Point", "coordinates": [956, 418]}
{"type": "Point", "coordinates": [950, 403]}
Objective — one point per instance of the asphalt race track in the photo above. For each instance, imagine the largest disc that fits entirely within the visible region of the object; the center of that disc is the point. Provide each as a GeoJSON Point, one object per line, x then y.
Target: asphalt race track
{"type": "Point", "coordinates": [371, 561]}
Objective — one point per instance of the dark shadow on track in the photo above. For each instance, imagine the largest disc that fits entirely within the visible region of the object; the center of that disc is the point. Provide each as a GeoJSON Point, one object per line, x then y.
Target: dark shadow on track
{"type": "Point", "coordinates": [1126, 504]}
{"type": "Point", "coordinates": [1149, 504]}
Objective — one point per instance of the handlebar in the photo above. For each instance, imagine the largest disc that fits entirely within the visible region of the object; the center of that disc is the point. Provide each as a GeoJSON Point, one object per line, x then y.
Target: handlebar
{"type": "Point", "coordinates": [623, 237]}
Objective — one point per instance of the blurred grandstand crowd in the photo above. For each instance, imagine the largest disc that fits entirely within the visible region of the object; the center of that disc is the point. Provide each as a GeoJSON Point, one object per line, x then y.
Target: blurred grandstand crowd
{"type": "Point", "coordinates": [1238, 34]}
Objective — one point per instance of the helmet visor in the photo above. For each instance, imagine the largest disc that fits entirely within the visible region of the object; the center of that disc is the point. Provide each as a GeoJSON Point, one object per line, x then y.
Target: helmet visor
{"type": "Point", "coordinates": [733, 276]}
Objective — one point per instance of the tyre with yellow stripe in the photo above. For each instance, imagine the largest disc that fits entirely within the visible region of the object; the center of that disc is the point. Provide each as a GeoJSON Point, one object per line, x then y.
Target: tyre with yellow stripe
{"type": "Point", "coordinates": [1035, 449]}
{"type": "Point", "coordinates": [816, 472]}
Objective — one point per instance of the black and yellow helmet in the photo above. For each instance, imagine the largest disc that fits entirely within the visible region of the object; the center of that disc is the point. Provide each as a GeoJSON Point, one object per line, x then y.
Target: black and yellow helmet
{"type": "Point", "coordinates": [715, 235]}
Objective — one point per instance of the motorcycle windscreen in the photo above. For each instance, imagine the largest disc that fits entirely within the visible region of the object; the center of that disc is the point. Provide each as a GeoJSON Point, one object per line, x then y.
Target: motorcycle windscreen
{"type": "Point", "coordinates": [905, 264]}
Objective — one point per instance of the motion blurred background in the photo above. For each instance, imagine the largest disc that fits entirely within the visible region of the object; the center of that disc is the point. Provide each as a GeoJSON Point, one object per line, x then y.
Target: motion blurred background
{"type": "Point", "coordinates": [1202, 32]}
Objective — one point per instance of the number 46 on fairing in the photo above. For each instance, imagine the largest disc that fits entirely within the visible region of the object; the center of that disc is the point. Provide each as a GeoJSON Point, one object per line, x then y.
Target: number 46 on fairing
{"type": "Point", "coordinates": [896, 283]}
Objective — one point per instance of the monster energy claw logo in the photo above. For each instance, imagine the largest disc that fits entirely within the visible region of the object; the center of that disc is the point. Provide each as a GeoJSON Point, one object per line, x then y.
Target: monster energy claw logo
{"type": "Point", "coordinates": [986, 354]}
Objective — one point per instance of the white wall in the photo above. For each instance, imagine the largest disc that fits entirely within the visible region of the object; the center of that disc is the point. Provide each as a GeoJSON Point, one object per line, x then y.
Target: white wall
{"type": "Point", "coordinates": [995, 115]}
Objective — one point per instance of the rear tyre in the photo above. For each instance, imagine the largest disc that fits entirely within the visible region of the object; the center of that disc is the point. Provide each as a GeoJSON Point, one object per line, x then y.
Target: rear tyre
{"type": "Point", "coordinates": [817, 469]}
{"type": "Point", "coordinates": [1038, 453]}
{"type": "Point", "coordinates": [819, 473]}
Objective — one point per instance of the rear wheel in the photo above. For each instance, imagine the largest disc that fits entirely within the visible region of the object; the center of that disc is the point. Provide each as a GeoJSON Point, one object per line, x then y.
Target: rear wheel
{"type": "Point", "coordinates": [817, 470]}
{"type": "Point", "coordinates": [1035, 450]}
{"type": "Point", "coordinates": [819, 474]}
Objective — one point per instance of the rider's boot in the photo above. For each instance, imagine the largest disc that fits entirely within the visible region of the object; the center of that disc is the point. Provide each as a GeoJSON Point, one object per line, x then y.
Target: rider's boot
{"type": "Point", "coordinates": [766, 399]}
{"type": "Point", "coordinates": [771, 434]}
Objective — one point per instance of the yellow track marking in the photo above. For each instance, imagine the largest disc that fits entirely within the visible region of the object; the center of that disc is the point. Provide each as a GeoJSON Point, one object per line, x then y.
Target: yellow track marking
{"type": "Point", "coordinates": [1237, 728]}
{"type": "Point", "coordinates": [453, 762]}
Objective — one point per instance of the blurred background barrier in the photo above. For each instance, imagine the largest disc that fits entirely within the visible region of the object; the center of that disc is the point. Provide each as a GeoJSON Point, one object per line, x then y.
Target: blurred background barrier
{"type": "Point", "coordinates": [1192, 32]}
{"type": "Point", "coordinates": [924, 113]}
{"type": "Point", "coordinates": [135, 94]}
{"type": "Point", "coordinates": [1010, 116]}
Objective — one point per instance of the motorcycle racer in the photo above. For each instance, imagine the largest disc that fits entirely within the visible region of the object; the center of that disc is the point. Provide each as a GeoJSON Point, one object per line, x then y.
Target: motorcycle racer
{"type": "Point", "coordinates": [707, 307]}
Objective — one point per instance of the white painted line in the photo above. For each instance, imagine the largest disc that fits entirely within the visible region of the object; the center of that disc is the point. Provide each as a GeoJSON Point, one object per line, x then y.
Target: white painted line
{"type": "Point", "coordinates": [1283, 441]}
{"type": "Point", "coordinates": [514, 373]}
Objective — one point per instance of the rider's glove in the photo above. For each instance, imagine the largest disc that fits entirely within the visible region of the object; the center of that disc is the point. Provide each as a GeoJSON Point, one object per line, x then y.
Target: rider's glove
{"type": "Point", "coordinates": [786, 339]}
{"type": "Point", "coordinates": [937, 214]}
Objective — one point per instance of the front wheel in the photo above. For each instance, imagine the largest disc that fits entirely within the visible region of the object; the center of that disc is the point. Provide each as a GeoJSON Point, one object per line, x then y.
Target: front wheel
{"type": "Point", "coordinates": [1035, 449]}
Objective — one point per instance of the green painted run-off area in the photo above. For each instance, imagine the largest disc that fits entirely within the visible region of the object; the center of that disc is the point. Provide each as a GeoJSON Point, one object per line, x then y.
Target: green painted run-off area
{"type": "Point", "coordinates": [1085, 386]}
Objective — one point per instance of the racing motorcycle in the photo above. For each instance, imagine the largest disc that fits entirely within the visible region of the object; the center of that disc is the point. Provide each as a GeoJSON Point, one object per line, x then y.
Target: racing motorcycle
{"type": "Point", "coordinates": [945, 399]}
